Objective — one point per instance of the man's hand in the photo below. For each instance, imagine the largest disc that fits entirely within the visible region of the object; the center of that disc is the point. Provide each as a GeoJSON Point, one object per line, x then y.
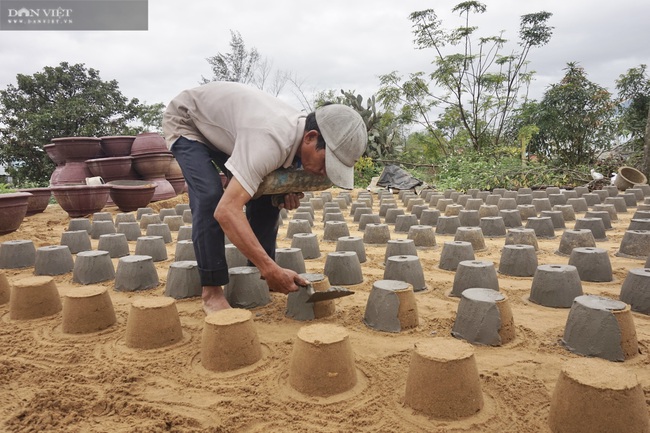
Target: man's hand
{"type": "Point", "coordinates": [284, 280]}
{"type": "Point", "coordinates": [291, 201]}
{"type": "Point", "coordinates": [236, 227]}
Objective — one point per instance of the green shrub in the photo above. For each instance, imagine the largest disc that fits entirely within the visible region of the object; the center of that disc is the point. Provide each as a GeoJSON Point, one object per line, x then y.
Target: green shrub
{"type": "Point", "coordinates": [486, 172]}
{"type": "Point", "coordinates": [364, 170]}
{"type": "Point", "coordinates": [4, 188]}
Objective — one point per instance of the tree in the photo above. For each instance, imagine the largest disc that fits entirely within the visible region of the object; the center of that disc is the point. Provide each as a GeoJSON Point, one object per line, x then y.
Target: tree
{"type": "Point", "coordinates": [62, 101]}
{"type": "Point", "coordinates": [575, 119]}
{"type": "Point", "coordinates": [526, 134]}
{"type": "Point", "coordinates": [480, 81]}
{"type": "Point", "coordinates": [245, 66]}
{"type": "Point", "coordinates": [149, 118]}
{"type": "Point", "coordinates": [239, 65]}
{"type": "Point", "coordinates": [421, 147]}
{"type": "Point", "coordinates": [646, 148]}
{"type": "Point", "coordinates": [634, 99]}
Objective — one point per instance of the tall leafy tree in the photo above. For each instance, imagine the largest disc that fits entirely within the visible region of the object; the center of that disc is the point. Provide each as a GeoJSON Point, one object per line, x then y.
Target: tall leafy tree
{"type": "Point", "coordinates": [247, 66]}
{"type": "Point", "coordinates": [576, 120]}
{"type": "Point", "coordinates": [239, 65]}
{"type": "Point", "coordinates": [634, 96]}
{"type": "Point", "coordinates": [60, 101]}
{"type": "Point", "coordinates": [149, 118]}
{"type": "Point", "coordinates": [646, 148]}
{"type": "Point", "coordinates": [475, 75]}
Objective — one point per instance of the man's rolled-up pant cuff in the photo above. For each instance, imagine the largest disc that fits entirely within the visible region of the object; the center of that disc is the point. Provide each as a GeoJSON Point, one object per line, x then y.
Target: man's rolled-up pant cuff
{"type": "Point", "coordinates": [214, 277]}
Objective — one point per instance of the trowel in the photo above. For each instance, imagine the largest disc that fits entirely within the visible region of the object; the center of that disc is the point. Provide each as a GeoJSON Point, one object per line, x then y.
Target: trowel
{"type": "Point", "coordinates": [331, 293]}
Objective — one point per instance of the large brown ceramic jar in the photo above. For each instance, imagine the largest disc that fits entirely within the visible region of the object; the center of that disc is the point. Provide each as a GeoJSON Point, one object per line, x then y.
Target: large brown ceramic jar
{"type": "Point", "coordinates": [117, 145]}
{"type": "Point", "coordinates": [75, 151]}
{"type": "Point", "coordinates": [13, 208]}
{"type": "Point", "coordinates": [148, 142]}
{"type": "Point", "coordinates": [81, 200]}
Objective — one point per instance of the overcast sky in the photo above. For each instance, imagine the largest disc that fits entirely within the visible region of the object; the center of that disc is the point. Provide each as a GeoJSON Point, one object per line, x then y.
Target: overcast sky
{"type": "Point", "coordinates": [333, 44]}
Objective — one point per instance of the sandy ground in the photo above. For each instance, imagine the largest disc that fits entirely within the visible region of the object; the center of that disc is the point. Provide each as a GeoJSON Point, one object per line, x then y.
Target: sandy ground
{"type": "Point", "coordinates": [56, 382]}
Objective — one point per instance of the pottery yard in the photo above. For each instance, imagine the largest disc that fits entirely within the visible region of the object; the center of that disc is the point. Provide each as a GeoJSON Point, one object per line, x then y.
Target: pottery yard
{"type": "Point", "coordinates": [383, 359]}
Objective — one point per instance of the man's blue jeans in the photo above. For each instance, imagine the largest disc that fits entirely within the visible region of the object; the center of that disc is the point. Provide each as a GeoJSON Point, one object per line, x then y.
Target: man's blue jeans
{"type": "Point", "coordinates": [205, 191]}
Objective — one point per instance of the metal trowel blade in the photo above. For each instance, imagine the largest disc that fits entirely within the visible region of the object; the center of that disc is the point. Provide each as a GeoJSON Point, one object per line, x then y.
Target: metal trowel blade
{"type": "Point", "coordinates": [331, 293]}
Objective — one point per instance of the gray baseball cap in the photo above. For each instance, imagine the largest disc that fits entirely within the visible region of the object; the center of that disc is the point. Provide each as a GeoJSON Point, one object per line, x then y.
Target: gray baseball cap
{"type": "Point", "coordinates": [346, 139]}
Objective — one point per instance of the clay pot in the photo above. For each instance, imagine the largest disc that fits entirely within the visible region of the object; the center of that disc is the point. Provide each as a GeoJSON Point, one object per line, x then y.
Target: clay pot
{"type": "Point", "coordinates": [555, 286]}
{"type": "Point", "coordinates": [245, 288]}
{"type": "Point", "coordinates": [153, 246]}
{"type": "Point", "coordinates": [148, 142]}
{"type": "Point", "coordinates": [474, 273]}
{"type": "Point", "coordinates": [174, 171]}
{"type": "Point", "coordinates": [178, 184]}
{"type": "Point", "coordinates": [627, 177]}
{"type": "Point", "coordinates": [593, 395]}
{"type": "Point", "coordinates": [17, 254]}
{"type": "Point", "coordinates": [38, 201]}
{"type": "Point", "coordinates": [77, 148]}
{"type": "Point", "coordinates": [129, 195]}
{"type": "Point", "coordinates": [13, 208]}
{"type": "Point", "coordinates": [54, 154]}
{"type": "Point", "coordinates": [111, 168]}
{"type": "Point", "coordinates": [288, 258]}
{"type": "Point", "coordinates": [81, 200]}
{"type": "Point", "coordinates": [72, 173]}
{"type": "Point", "coordinates": [297, 226]}
{"type": "Point", "coordinates": [484, 317]}
{"type": "Point", "coordinates": [405, 268]}
{"type": "Point", "coordinates": [322, 361]}
{"type": "Point", "coordinates": [600, 327]}
{"type": "Point", "coordinates": [152, 167]}
{"type": "Point", "coordinates": [92, 267]}
{"type": "Point", "coordinates": [229, 340]}
{"type": "Point", "coordinates": [455, 252]}
{"type": "Point", "coordinates": [56, 158]}
{"type": "Point", "coordinates": [53, 260]}
{"type": "Point", "coordinates": [343, 267]}
{"type": "Point", "coordinates": [135, 273]}
{"type": "Point", "coordinates": [119, 145]}
{"type": "Point", "coordinates": [86, 310]}
{"type": "Point", "coordinates": [153, 323]}
{"type": "Point", "coordinates": [391, 307]}
{"type": "Point", "coordinates": [34, 298]}
{"type": "Point", "coordinates": [635, 244]}
{"type": "Point", "coordinates": [183, 280]}
{"type": "Point", "coordinates": [451, 365]}
{"type": "Point", "coordinates": [518, 260]}
{"type": "Point", "coordinates": [74, 151]}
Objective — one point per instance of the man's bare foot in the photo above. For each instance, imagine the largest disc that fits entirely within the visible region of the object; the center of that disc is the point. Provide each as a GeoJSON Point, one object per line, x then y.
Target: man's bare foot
{"type": "Point", "coordinates": [214, 299]}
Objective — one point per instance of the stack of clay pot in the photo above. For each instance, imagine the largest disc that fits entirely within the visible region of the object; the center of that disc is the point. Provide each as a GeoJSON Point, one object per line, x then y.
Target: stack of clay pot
{"type": "Point", "coordinates": [136, 168]}
{"type": "Point", "coordinates": [152, 160]}
{"type": "Point", "coordinates": [175, 176]}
